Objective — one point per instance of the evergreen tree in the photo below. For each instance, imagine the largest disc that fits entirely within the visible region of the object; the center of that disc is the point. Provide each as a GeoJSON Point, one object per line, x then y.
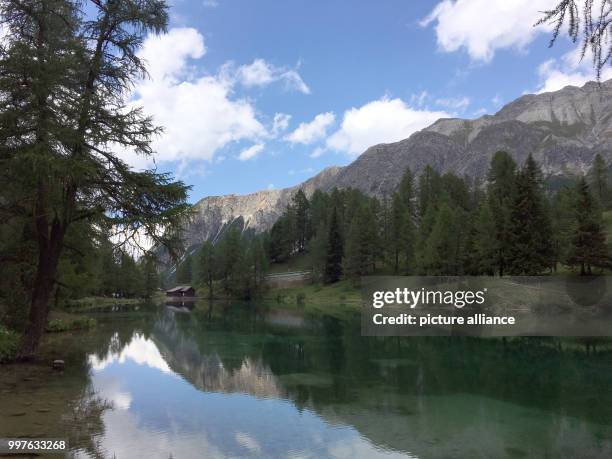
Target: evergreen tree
{"type": "Point", "coordinates": [259, 265]}
{"type": "Point", "coordinates": [485, 249]}
{"type": "Point", "coordinates": [302, 220]}
{"type": "Point", "coordinates": [564, 223]}
{"type": "Point", "coordinates": [361, 242]}
{"type": "Point", "coordinates": [150, 276]}
{"type": "Point", "coordinates": [335, 250]}
{"type": "Point", "coordinates": [130, 277]}
{"type": "Point", "coordinates": [396, 240]}
{"type": "Point", "coordinates": [184, 272]}
{"type": "Point", "coordinates": [65, 76]}
{"type": "Point", "coordinates": [588, 247]}
{"type": "Point", "coordinates": [319, 209]}
{"type": "Point", "coordinates": [425, 228]}
{"type": "Point", "coordinates": [599, 181]}
{"type": "Point", "coordinates": [457, 191]}
{"type": "Point", "coordinates": [230, 252]}
{"type": "Point", "coordinates": [440, 254]}
{"type": "Point", "coordinates": [500, 195]}
{"type": "Point", "coordinates": [531, 249]}
{"type": "Point", "coordinates": [206, 267]}
{"type": "Point", "coordinates": [282, 237]}
{"type": "Point", "coordinates": [318, 251]}
{"type": "Point", "coordinates": [401, 233]}
{"type": "Point", "coordinates": [430, 188]}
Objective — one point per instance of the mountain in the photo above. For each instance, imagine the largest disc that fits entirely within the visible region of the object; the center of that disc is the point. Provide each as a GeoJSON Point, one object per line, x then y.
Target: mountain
{"type": "Point", "coordinates": [564, 130]}
{"type": "Point", "coordinates": [255, 211]}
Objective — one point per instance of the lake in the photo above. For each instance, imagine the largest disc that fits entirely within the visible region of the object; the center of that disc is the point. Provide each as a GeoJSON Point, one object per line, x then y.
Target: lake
{"type": "Point", "coordinates": [251, 381]}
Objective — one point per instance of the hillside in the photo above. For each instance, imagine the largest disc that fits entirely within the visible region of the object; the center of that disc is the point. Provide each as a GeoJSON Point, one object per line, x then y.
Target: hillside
{"type": "Point", "coordinates": [564, 130]}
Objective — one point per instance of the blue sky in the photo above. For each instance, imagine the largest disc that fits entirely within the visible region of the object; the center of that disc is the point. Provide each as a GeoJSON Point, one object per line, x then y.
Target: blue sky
{"type": "Point", "coordinates": [257, 94]}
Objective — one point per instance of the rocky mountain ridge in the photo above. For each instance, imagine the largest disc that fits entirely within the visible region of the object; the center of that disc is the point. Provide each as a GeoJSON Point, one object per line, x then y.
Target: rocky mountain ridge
{"type": "Point", "coordinates": [564, 130]}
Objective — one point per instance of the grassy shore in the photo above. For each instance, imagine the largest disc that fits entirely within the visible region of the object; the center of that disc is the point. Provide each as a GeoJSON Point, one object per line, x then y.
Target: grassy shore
{"type": "Point", "coordinates": [9, 342]}
{"type": "Point", "coordinates": [337, 299]}
{"type": "Point", "coordinates": [60, 321]}
{"type": "Point", "coordinates": [99, 302]}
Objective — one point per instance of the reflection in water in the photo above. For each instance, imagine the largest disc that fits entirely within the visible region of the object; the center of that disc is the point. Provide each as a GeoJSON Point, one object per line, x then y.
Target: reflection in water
{"type": "Point", "coordinates": [234, 383]}
{"type": "Point", "coordinates": [218, 412]}
{"type": "Point", "coordinates": [140, 350]}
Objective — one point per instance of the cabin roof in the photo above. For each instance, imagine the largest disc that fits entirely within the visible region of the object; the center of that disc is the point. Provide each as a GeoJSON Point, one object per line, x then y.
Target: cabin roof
{"type": "Point", "coordinates": [180, 288]}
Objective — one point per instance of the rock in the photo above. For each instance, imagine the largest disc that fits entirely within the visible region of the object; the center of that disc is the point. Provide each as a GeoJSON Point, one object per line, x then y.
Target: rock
{"type": "Point", "coordinates": [564, 130]}
{"type": "Point", "coordinates": [58, 364]}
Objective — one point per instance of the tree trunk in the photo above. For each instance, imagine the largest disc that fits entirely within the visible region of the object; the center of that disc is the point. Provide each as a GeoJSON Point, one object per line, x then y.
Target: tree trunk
{"type": "Point", "coordinates": [50, 242]}
{"type": "Point", "coordinates": [39, 307]}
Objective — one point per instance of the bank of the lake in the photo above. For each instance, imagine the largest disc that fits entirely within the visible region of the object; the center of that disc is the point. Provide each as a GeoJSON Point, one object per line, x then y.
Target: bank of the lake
{"type": "Point", "coordinates": [257, 380]}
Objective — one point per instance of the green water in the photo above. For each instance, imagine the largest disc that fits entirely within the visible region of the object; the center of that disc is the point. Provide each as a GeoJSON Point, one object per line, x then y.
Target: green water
{"type": "Point", "coordinates": [244, 381]}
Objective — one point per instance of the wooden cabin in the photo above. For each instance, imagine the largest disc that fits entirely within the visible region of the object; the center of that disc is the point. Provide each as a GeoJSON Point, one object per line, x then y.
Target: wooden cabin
{"type": "Point", "coordinates": [181, 291]}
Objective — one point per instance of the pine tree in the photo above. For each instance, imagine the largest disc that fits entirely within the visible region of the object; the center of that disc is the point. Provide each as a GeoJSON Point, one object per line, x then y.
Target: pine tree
{"type": "Point", "coordinates": [564, 223]}
{"type": "Point", "coordinates": [401, 228]}
{"type": "Point", "coordinates": [588, 247]}
{"type": "Point", "coordinates": [318, 251]}
{"type": "Point", "coordinates": [430, 188]}
{"type": "Point", "coordinates": [184, 272]}
{"type": "Point", "coordinates": [259, 265]}
{"type": "Point", "coordinates": [485, 244]}
{"type": "Point", "coordinates": [425, 228]}
{"type": "Point", "coordinates": [500, 194]}
{"type": "Point", "coordinates": [362, 243]}
{"type": "Point", "coordinates": [302, 220]}
{"type": "Point", "coordinates": [206, 267]}
{"type": "Point", "coordinates": [599, 181]}
{"type": "Point", "coordinates": [319, 209]}
{"type": "Point", "coordinates": [398, 216]}
{"type": "Point", "coordinates": [282, 237]}
{"type": "Point", "coordinates": [230, 253]}
{"type": "Point", "coordinates": [65, 77]}
{"type": "Point", "coordinates": [150, 276]}
{"type": "Point", "coordinates": [335, 251]}
{"type": "Point", "coordinates": [531, 250]}
{"type": "Point", "coordinates": [440, 254]}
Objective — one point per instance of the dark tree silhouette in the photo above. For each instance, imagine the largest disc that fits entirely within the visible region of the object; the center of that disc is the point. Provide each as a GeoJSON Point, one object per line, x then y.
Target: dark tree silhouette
{"type": "Point", "coordinates": [591, 19]}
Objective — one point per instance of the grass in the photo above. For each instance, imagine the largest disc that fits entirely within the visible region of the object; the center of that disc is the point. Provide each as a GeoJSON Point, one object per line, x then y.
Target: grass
{"type": "Point", "coordinates": [63, 321]}
{"type": "Point", "coordinates": [100, 302]}
{"type": "Point", "coordinates": [299, 262]}
{"type": "Point", "coordinates": [9, 342]}
{"type": "Point", "coordinates": [335, 299]}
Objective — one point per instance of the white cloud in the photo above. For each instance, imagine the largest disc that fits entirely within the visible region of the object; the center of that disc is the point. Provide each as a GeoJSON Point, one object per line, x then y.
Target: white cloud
{"type": "Point", "coordinates": [454, 103]}
{"type": "Point", "coordinates": [569, 70]}
{"type": "Point", "coordinates": [280, 123]}
{"type": "Point", "coordinates": [262, 73]}
{"type": "Point", "coordinates": [482, 27]}
{"type": "Point", "coordinates": [251, 152]}
{"type": "Point", "coordinates": [198, 112]}
{"type": "Point", "coordinates": [419, 99]}
{"type": "Point", "coordinates": [166, 55]}
{"type": "Point", "coordinates": [307, 133]}
{"type": "Point", "coordinates": [317, 152]}
{"type": "Point", "coordinates": [380, 121]}
{"type": "Point", "coordinates": [210, 3]}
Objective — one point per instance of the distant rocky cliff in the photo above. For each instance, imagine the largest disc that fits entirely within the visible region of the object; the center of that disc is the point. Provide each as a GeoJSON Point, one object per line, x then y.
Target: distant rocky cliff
{"type": "Point", "coordinates": [255, 211]}
{"type": "Point", "coordinates": [564, 130]}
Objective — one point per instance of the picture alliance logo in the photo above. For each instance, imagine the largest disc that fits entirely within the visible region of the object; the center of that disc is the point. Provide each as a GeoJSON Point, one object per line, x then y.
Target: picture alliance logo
{"type": "Point", "coordinates": [413, 298]}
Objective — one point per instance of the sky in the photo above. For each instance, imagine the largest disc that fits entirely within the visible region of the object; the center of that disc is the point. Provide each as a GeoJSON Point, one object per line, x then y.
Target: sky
{"type": "Point", "coordinates": [263, 94]}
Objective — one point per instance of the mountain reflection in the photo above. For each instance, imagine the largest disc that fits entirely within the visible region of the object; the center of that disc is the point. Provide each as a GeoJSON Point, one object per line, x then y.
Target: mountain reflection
{"type": "Point", "coordinates": [260, 387]}
{"type": "Point", "coordinates": [207, 371]}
